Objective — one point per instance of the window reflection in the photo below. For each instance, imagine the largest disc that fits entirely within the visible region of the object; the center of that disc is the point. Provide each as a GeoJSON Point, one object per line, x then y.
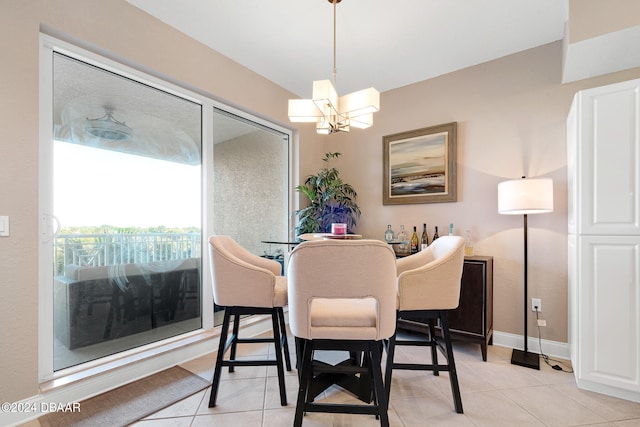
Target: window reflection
{"type": "Point", "coordinates": [127, 176]}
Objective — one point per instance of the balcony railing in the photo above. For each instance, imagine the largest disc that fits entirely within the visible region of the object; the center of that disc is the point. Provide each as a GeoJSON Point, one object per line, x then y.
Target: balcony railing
{"type": "Point", "coordinates": [92, 250]}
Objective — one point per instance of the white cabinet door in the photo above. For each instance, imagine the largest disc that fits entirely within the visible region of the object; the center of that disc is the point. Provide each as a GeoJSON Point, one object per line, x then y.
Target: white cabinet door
{"type": "Point", "coordinates": [605, 128]}
{"type": "Point", "coordinates": [572, 296]}
{"type": "Point", "coordinates": [608, 297]}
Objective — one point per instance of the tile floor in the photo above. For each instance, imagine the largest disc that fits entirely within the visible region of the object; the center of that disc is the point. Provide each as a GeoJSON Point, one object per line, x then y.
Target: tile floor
{"type": "Point", "coordinates": [494, 393]}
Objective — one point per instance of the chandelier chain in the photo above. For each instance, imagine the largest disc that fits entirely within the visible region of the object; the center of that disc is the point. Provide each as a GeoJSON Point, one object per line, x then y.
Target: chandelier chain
{"type": "Point", "coordinates": [330, 112]}
{"type": "Point", "coordinates": [335, 83]}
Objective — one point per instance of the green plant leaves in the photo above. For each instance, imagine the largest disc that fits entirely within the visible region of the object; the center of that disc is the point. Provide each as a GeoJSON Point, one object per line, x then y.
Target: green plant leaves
{"type": "Point", "coordinates": [331, 200]}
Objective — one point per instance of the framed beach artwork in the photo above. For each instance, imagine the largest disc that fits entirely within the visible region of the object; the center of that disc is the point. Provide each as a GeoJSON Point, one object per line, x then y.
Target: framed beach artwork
{"type": "Point", "coordinates": [420, 166]}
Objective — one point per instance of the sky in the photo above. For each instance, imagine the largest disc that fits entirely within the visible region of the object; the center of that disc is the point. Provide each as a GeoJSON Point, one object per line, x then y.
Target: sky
{"type": "Point", "coordinates": [103, 187]}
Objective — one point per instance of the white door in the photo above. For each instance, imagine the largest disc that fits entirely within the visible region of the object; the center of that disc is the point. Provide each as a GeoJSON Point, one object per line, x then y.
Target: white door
{"type": "Point", "coordinates": [608, 146]}
{"type": "Point", "coordinates": [608, 296]}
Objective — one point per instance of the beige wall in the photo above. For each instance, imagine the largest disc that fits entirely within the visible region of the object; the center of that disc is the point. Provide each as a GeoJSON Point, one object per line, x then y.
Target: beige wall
{"type": "Point", "coordinates": [593, 18]}
{"type": "Point", "coordinates": [511, 115]}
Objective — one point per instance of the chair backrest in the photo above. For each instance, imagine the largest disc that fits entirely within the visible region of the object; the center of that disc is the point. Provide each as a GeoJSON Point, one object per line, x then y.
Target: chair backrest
{"type": "Point", "coordinates": [357, 269]}
{"type": "Point", "coordinates": [241, 278]}
{"type": "Point", "coordinates": [430, 279]}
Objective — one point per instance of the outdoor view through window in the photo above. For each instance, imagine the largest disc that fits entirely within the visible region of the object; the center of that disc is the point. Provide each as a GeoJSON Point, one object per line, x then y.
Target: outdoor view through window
{"type": "Point", "coordinates": [127, 198]}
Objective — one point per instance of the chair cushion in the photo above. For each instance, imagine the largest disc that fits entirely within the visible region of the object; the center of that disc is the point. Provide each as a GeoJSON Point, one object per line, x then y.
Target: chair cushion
{"type": "Point", "coordinates": [344, 312]}
{"type": "Point", "coordinates": [343, 318]}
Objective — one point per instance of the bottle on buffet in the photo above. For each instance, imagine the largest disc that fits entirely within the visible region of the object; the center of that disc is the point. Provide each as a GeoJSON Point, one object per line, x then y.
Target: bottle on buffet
{"type": "Point", "coordinates": [388, 235]}
{"type": "Point", "coordinates": [468, 243]}
{"type": "Point", "coordinates": [424, 240]}
{"type": "Point", "coordinates": [403, 246]}
{"type": "Point", "coordinates": [415, 243]}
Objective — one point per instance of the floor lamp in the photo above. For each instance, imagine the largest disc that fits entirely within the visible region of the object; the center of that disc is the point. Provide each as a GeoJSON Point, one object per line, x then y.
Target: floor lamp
{"type": "Point", "coordinates": [523, 197]}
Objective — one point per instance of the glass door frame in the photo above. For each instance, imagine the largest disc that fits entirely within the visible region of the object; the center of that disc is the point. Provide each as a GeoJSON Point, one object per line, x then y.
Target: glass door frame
{"type": "Point", "coordinates": [47, 222]}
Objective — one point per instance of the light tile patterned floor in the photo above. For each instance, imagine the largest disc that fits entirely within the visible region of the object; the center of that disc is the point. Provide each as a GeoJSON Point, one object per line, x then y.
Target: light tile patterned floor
{"type": "Point", "coordinates": [494, 393]}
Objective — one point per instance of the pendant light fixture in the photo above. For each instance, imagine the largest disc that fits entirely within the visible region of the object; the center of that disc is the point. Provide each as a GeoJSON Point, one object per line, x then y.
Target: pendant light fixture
{"type": "Point", "coordinates": [330, 112]}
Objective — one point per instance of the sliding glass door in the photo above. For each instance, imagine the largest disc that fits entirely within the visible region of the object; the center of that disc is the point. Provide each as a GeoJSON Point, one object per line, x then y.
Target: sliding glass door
{"type": "Point", "coordinates": [136, 173]}
{"type": "Point", "coordinates": [250, 185]}
{"type": "Point", "coordinates": [127, 191]}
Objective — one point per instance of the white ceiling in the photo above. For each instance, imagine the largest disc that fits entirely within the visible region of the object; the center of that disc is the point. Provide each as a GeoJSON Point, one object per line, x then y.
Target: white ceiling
{"type": "Point", "coordinates": [381, 43]}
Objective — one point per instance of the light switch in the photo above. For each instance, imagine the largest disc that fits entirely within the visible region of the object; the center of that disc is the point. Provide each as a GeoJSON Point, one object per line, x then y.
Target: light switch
{"type": "Point", "coordinates": [4, 226]}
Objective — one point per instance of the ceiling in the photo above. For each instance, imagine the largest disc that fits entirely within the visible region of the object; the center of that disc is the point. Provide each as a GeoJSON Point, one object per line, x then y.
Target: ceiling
{"type": "Point", "coordinates": [381, 43]}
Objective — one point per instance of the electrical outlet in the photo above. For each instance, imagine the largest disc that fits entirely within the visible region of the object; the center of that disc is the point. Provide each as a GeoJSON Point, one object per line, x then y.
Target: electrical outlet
{"type": "Point", "coordinates": [542, 322]}
{"type": "Point", "coordinates": [536, 302]}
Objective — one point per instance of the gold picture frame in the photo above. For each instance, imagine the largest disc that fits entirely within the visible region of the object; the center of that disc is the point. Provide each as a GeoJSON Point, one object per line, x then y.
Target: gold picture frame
{"type": "Point", "coordinates": [420, 165]}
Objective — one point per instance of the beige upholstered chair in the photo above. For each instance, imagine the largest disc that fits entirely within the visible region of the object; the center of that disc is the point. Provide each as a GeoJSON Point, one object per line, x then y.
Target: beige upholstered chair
{"type": "Point", "coordinates": [244, 283]}
{"type": "Point", "coordinates": [342, 296]}
{"type": "Point", "coordinates": [429, 286]}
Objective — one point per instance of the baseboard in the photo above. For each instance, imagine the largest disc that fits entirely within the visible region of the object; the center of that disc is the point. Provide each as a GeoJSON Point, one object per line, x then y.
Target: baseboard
{"type": "Point", "coordinates": [550, 348]}
{"type": "Point", "coordinates": [112, 374]}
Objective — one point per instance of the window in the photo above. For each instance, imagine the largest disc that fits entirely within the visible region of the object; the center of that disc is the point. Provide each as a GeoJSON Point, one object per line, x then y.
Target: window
{"type": "Point", "coordinates": [126, 194]}
{"type": "Point", "coordinates": [136, 171]}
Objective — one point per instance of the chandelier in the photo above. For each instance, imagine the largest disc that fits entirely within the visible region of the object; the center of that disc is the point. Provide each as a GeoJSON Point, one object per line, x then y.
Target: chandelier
{"type": "Point", "coordinates": [330, 112]}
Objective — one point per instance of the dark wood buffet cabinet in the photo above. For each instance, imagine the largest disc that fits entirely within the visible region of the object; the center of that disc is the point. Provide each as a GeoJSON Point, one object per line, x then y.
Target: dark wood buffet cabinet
{"type": "Point", "coordinates": [473, 319]}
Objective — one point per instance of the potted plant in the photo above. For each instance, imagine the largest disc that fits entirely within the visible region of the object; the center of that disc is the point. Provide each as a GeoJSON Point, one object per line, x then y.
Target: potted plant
{"type": "Point", "coordinates": [332, 201]}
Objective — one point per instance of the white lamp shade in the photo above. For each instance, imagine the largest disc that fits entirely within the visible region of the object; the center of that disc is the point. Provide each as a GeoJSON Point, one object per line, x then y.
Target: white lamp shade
{"type": "Point", "coordinates": [303, 110]}
{"type": "Point", "coordinates": [366, 101]}
{"type": "Point", "coordinates": [362, 122]}
{"type": "Point", "coordinates": [325, 97]}
{"type": "Point", "coordinates": [525, 196]}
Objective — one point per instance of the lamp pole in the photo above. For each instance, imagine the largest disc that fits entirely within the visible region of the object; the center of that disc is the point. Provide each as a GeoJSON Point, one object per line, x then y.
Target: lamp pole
{"type": "Point", "coordinates": [519, 357]}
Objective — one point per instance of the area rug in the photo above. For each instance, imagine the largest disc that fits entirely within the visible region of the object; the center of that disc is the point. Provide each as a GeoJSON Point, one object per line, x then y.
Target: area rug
{"type": "Point", "coordinates": [131, 402]}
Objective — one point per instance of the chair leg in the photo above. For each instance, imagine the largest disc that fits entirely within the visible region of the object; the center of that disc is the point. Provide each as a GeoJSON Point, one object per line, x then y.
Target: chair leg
{"type": "Point", "coordinates": [305, 374]}
{"type": "Point", "coordinates": [434, 349]}
{"type": "Point", "coordinates": [284, 341]}
{"type": "Point", "coordinates": [299, 344]}
{"type": "Point", "coordinates": [447, 350]}
{"type": "Point", "coordinates": [234, 342]}
{"type": "Point", "coordinates": [453, 375]}
{"type": "Point", "coordinates": [380, 394]}
{"type": "Point", "coordinates": [276, 341]}
{"type": "Point", "coordinates": [391, 348]}
{"type": "Point", "coordinates": [219, 358]}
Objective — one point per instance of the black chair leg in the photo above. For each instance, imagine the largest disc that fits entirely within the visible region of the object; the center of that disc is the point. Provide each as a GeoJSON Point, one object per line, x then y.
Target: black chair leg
{"type": "Point", "coordinates": [234, 342]}
{"type": "Point", "coordinates": [391, 348]}
{"type": "Point", "coordinates": [231, 342]}
{"type": "Point", "coordinates": [434, 347]}
{"type": "Point", "coordinates": [380, 394]}
{"type": "Point", "coordinates": [453, 375]}
{"type": "Point", "coordinates": [276, 341]}
{"type": "Point", "coordinates": [434, 343]}
{"type": "Point", "coordinates": [284, 341]}
{"type": "Point", "coordinates": [305, 372]}
{"type": "Point", "coordinates": [217, 372]}
{"type": "Point", "coordinates": [299, 349]}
